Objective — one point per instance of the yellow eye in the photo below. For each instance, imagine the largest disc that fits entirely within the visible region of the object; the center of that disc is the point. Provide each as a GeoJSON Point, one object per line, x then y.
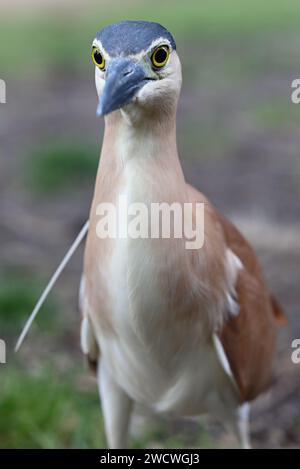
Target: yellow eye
{"type": "Point", "coordinates": [98, 58]}
{"type": "Point", "coordinates": [160, 56]}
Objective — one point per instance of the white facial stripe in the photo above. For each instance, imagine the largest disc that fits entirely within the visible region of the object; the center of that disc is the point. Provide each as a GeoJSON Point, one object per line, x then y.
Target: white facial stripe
{"type": "Point", "coordinates": [157, 42]}
{"type": "Point", "coordinates": [98, 44]}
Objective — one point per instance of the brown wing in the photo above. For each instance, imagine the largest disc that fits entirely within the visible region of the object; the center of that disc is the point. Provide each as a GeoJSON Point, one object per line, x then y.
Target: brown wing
{"type": "Point", "coordinates": [249, 339]}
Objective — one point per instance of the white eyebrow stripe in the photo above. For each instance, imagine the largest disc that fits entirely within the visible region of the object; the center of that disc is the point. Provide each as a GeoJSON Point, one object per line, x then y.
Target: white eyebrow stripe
{"type": "Point", "coordinates": [156, 42]}
{"type": "Point", "coordinates": [161, 41]}
{"type": "Point", "coordinates": [97, 43]}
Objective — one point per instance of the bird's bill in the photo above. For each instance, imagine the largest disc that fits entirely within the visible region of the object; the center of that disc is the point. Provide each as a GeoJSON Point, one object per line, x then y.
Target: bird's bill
{"type": "Point", "coordinates": [124, 77]}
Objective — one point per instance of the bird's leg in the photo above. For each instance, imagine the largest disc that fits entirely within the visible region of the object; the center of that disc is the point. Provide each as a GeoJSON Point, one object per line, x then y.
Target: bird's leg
{"type": "Point", "coordinates": [116, 407]}
{"type": "Point", "coordinates": [242, 425]}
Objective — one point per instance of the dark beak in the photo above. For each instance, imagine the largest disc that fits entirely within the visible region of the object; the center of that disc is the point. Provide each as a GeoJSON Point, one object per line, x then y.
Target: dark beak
{"type": "Point", "coordinates": [124, 77]}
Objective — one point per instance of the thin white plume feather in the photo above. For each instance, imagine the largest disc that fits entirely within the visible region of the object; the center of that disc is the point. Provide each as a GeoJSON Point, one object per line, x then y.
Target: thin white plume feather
{"type": "Point", "coordinates": [51, 283]}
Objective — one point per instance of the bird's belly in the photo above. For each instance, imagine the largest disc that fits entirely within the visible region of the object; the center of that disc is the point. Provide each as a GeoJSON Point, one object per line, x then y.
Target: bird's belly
{"type": "Point", "coordinates": [196, 385]}
{"type": "Point", "coordinates": [157, 361]}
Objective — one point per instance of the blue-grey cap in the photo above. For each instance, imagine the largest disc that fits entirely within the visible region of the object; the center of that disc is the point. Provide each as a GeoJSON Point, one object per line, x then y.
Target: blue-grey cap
{"type": "Point", "coordinates": [131, 37]}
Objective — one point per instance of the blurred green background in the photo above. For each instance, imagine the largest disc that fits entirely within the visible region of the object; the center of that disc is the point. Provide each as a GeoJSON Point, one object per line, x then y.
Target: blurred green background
{"type": "Point", "coordinates": [239, 142]}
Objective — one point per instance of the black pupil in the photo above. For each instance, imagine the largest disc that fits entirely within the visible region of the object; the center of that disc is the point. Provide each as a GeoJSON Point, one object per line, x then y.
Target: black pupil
{"type": "Point", "coordinates": [98, 57]}
{"type": "Point", "coordinates": [160, 56]}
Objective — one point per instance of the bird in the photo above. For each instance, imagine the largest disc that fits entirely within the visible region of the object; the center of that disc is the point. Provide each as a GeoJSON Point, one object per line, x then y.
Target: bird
{"type": "Point", "coordinates": [184, 332]}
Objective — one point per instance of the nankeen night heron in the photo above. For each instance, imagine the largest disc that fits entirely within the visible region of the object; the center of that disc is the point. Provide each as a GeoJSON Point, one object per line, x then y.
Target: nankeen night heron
{"type": "Point", "coordinates": [181, 331]}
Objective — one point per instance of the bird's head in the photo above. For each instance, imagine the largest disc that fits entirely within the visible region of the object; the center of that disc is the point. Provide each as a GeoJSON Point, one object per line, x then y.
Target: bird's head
{"type": "Point", "coordinates": [137, 68]}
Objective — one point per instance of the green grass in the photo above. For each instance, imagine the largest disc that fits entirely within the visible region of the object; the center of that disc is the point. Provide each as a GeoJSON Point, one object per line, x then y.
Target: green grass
{"type": "Point", "coordinates": [160, 435]}
{"type": "Point", "coordinates": [17, 298]}
{"type": "Point", "coordinates": [47, 411]}
{"type": "Point", "coordinates": [30, 42]}
{"type": "Point", "coordinates": [51, 410]}
{"type": "Point", "coordinates": [57, 167]}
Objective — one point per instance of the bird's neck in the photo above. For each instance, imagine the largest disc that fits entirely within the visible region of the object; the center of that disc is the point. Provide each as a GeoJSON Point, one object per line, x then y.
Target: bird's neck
{"type": "Point", "coordinates": [141, 136]}
{"type": "Point", "coordinates": [148, 142]}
